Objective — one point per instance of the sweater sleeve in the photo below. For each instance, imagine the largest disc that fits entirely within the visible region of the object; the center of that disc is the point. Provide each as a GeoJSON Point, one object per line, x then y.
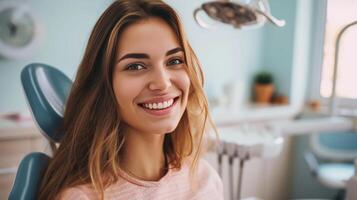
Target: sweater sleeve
{"type": "Point", "coordinates": [73, 194]}
{"type": "Point", "coordinates": [215, 179]}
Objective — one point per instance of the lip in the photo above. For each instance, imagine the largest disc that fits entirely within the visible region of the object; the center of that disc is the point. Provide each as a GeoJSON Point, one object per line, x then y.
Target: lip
{"type": "Point", "coordinates": [161, 112]}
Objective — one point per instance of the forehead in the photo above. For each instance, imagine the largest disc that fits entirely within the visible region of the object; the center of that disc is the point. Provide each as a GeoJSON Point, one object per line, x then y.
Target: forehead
{"type": "Point", "coordinates": [149, 36]}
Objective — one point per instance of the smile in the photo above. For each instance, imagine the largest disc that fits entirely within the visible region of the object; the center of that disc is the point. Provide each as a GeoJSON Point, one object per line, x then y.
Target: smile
{"type": "Point", "coordinates": [159, 105]}
{"type": "Point", "coordinates": [159, 108]}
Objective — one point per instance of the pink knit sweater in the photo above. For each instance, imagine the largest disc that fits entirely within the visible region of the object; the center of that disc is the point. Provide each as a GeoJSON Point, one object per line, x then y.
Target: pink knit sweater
{"type": "Point", "coordinates": [175, 185]}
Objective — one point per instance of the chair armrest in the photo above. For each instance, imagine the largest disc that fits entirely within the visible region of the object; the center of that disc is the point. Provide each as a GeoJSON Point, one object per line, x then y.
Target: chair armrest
{"type": "Point", "coordinates": [28, 176]}
{"type": "Point", "coordinates": [312, 163]}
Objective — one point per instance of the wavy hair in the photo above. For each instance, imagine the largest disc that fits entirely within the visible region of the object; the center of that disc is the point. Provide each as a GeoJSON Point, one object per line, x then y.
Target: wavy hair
{"type": "Point", "coordinates": [88, 153]}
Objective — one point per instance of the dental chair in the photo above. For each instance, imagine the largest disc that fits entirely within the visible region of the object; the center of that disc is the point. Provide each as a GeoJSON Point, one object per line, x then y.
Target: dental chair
{"type": "Point", "coordinates": [46, 90]}
{"type": "Point", "coordinates": [331, 159]}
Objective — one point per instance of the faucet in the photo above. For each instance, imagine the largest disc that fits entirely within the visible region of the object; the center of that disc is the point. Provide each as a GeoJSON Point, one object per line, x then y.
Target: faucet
{"type": "Point", "coordinates": [333, 98]}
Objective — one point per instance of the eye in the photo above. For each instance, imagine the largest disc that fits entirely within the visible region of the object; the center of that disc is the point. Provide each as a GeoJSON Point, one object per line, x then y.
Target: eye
{"type": "Point", "coordinates": [135, 67]}
{"type": "Point", "coordinates": [175, 61]}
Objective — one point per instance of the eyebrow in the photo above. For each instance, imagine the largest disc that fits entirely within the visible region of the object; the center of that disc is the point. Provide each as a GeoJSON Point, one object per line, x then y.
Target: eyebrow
{"type": "Point", "coordinates": [146, 56]}
{"type": "Point", "coordinates": [173, 51]}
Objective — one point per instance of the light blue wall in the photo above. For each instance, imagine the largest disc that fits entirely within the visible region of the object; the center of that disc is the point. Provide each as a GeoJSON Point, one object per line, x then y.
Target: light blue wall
{"type": "Point", "coordinates": [278, 46]}
{"type": "Point", "coordinates": [67, 26]}
{"type": "Point", "coordinates": [226, 54]}
{"type": "Point", "coordinates": [287, 50]}
{"type": "Point", "coordinates": [229, 54]}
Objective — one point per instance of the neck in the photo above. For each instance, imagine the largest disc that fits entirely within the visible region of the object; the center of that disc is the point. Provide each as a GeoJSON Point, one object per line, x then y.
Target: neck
{"type": "Point", "coordinates": [143, 156]}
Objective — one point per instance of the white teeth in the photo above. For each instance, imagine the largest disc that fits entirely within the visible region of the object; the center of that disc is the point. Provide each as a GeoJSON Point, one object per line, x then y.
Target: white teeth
{"type": "Point", "coordinates": [159, 105]}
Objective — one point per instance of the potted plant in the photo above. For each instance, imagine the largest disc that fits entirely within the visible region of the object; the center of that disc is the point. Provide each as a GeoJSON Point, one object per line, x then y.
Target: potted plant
{"type": "Point", "coordinates": [263, 87]}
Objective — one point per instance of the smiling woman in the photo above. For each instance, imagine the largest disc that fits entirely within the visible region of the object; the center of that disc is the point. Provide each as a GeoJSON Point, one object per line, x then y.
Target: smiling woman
{"type": "Point", "coordinates": [136, 116]}
{"type": "Point", "coordinates": [151, 87]}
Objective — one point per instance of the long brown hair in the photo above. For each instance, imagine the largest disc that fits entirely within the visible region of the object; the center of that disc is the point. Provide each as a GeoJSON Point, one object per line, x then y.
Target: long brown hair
{"type": "Point", "coordinates": [88, 153]}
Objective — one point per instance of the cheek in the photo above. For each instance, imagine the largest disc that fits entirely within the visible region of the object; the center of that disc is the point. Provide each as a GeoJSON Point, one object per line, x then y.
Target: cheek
{"type": "Point", "coordinates": [126, 90]}
{"type": "Point", "coordinates": [184, 83]}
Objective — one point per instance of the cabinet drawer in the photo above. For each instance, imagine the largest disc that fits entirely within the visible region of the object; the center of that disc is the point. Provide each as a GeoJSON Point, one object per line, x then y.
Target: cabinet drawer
{"type": "Point", "coordinates": [12, 151]}
{"type": "Point", "coordinates": [6, 181]}
{"type": "Point", "coordinates": [11, 154]}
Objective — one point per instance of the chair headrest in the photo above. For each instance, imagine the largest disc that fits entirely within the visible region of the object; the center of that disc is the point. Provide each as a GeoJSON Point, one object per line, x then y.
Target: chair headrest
{"type": "Point", "coordinates": [46, 90]}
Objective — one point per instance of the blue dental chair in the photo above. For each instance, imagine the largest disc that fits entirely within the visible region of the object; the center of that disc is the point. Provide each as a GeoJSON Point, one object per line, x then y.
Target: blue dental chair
{"type": "Point", "coordinates": [46, 90]}
{"type": "Point", "coordinates": [331, 159]}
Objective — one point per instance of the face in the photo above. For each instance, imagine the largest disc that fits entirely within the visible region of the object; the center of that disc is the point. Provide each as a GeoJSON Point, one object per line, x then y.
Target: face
{"type": "Point", "coordinates": [150, 80]}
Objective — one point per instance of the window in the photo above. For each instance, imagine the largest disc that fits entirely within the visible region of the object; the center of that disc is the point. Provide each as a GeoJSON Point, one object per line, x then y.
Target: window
{"type": "Point", "coordinates": [338, 15]}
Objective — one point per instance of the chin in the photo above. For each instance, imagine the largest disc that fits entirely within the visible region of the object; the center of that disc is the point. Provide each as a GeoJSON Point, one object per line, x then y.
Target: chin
{"type": "Point", "coordinates": [169, 129]}
{"type": "Point", "coordinates": [164, 129]}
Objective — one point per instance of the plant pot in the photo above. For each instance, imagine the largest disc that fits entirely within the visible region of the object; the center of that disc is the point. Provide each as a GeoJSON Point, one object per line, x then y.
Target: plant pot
{"type": "Point", "coordinates": [263, 93]}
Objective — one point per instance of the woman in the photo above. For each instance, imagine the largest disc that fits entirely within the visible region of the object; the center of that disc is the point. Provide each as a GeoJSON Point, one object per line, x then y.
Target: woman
{"type": "Point", "coordinates": [136, 114]}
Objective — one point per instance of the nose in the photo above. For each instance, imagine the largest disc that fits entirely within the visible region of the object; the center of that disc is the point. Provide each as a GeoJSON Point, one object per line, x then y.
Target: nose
{"type": "Point", "coordinates": [160, 79]}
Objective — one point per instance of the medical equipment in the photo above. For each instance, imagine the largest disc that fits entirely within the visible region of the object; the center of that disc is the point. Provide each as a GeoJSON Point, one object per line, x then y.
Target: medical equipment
{"type": "Point", "coordinates": [330, 159]}
{"type": "Point", "coordinates": [46, 90]}
{"type": "Point", "coordinates": [335, 152]}
{"type": "Point", "coordinates": [21, 30]}
{"type": "Point", "coordinates": [245, 142]}
{"type": "Point", "coordinates": [254, 13]}
{"type": "Point", "coordinates": [333, 98]}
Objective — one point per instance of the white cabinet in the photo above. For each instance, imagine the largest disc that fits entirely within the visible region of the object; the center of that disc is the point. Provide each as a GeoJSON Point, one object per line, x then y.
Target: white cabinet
{"type": "Point", "coordinates": [16, 140]}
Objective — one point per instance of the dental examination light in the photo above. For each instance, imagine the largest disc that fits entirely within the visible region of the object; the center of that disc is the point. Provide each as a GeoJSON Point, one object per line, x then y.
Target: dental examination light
{"type": "Point", "coordinates": [241, 15]}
